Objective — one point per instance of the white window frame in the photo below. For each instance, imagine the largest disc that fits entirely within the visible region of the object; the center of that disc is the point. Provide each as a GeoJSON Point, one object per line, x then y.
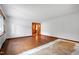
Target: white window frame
{"type": "Point", "coordinates": [1, 25]}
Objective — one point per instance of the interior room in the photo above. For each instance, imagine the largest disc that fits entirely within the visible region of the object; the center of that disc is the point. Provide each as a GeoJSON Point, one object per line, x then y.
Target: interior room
{"type": "Point", "coordinates": [39, 29]}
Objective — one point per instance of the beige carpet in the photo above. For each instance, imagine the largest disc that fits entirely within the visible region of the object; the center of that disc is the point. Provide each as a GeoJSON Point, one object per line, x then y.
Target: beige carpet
{"type": "Point", "coordinates": [60, 47]}
{"type": "Point", "coordinates": [63, 47]}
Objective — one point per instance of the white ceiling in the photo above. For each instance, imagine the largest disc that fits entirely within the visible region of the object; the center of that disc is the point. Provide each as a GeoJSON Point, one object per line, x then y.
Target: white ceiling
{"type": "Point", "coordinates": [40, 12]}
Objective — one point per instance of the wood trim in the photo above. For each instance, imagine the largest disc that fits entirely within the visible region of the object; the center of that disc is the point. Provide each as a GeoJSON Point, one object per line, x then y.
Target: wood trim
{"type": "Point", "coordinates": [36, 22]}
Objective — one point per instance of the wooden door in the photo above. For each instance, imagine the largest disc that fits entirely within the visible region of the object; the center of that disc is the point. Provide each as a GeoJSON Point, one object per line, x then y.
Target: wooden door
{"type": "Point", "coordinates": [36, 29]}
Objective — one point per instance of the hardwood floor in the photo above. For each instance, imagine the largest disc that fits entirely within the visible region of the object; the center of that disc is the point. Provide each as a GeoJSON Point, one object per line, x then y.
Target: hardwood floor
{"type": "Point", "coordinates": [13, 46]}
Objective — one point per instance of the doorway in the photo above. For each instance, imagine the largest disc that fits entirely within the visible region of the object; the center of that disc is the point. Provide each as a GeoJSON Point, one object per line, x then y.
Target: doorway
{"type": "Point", "coordinates": [36, 29]}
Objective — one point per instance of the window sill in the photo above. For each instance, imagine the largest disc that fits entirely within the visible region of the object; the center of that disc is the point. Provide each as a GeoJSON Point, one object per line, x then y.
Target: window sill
{"type": "Point", "coordinates": [1, 34]}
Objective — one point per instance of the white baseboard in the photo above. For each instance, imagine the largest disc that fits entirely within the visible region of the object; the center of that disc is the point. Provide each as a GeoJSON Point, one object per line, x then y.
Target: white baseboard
{"type": "Point", "coordinates": [65, 36]}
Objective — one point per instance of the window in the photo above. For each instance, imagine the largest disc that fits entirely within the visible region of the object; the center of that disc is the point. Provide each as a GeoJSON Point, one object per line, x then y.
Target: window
{"type": "Point", "coordinates": [1, 25]}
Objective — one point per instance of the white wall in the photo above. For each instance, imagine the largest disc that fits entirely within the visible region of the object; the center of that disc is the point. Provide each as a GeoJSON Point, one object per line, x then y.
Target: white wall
{"type": "Point", "coordinates": [64, 21]}
{"type": "Point", "coordinates": [20, 17]}
{"type": "Point", "coordinates": [65, 26]}
{"type": "Point", "coordinates": [18, 28]}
